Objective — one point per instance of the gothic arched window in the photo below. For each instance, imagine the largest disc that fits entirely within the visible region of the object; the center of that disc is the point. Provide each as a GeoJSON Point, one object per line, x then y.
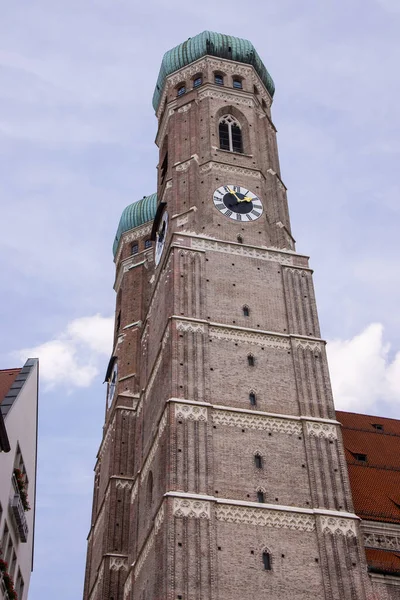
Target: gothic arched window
{"type": "Point", "coordinates": [250, 360]}
{"type": "Point", "coordinates": [252, 399]}
{"type": "Point", "coordinates": [230, 134]}
{"type": "Point", "coordinates": [266, 557]}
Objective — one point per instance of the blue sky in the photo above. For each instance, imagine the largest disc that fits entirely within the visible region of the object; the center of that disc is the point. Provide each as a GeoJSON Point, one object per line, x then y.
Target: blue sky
{"type": "Point", "coordinates": [77, 133]}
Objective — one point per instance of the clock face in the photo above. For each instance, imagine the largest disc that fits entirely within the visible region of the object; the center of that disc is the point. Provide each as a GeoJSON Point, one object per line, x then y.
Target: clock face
{"type": "Point", "coordinates": [160, 237]}
{"type": "Point", "coordinates": [238, 203]}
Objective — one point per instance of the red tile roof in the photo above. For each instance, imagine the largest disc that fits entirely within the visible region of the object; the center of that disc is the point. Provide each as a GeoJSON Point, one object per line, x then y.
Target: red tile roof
{"type": "Point", "coordinates": [383, 561]}
{"type": "Point", "coordinates": [7, 378]}
{"type": "Point", "coordinates": [375, 483]}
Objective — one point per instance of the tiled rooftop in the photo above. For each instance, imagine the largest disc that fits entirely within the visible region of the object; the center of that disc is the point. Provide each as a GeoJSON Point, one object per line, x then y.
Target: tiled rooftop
{"type": "Point", "coordinates": [7, 378]}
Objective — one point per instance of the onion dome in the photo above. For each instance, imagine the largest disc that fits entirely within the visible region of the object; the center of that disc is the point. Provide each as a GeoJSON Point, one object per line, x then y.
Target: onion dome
{"type": "Point", "coordinates": [134, 215]}
{"type": "Point", "coordinates": [213, 44]}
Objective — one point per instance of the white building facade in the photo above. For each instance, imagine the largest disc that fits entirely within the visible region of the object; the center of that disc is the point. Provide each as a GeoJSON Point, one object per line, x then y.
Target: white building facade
{"type": "Point", "coordinates": [19, 411]}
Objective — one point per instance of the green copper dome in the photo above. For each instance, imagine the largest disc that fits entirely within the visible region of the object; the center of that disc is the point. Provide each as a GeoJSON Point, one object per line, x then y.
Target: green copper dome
{"type": "Point", "coordinates": [134, 215]}
{"type": "Point", "coordinates": [214, 44]}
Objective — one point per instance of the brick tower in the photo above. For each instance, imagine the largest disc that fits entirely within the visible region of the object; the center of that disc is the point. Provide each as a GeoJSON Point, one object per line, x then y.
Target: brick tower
{"type": "Point", "coordinates": [221, 473]}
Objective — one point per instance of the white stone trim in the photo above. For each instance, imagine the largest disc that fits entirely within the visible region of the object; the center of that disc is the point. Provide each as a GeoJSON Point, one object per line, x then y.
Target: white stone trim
{"type": "Point", "coordinates": [122, 484]}
{"type": "Point", "coordinates": [253, 516]}
{"type": "Point", "coordinates": [127, 587]}
{"type": "Point", "coordinates": [99, 579]}
{"type": "Point", "coordinates": [118, 562]}
{"type": "Point", "coordinates": [189, 327]}
{"type": "Point", "coordinates": [132, 235]}
{"type": "Point", "coordinates": [249, 336]}
{"type": "Point", "coordinates": [190, 412]}
{"type": "Point", "coordinates": [135, 324]}
{"type": "Point", "coordinates": [106, 440]}
{"type": "Point", "coordinates": [256, 421]}
{"type": "Point", "coordinates": [338, 526]}
{"type": "Point", "coordinates": [321, 430]}
{"type": "Point", "coordinates": [226, 168]}
{"type": "Point", "coordinates": [185, 507]}
{"type": "Point", "coordinates": [227, 94]}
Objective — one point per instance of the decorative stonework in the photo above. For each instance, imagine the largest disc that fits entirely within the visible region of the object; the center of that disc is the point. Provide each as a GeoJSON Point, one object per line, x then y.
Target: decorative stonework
{"type": "Point", "coordinates": [131, 236]}
{"type": "Point", "coordinates": [338, 526]}
{"type": "Point", "coordinates": [242, 250]}
{"type": "Point", "coordinates": [321, 430]}
{"type": "Point", "coordinates": [190, 412]}
{"type": "Point", "coordinates": [123, 484]}
{"type": "Point", "coordinates": [262, 517]}
{"type": "Point", "coordinates": [182, 220]}
{"type": "Point", "coordinates": [186, 73]}
{"type": "Point", "coordinates": [189, 327]}
{"type": "Point", "coordinates": [185, 507]}
{"type": "Point", "coordinates": [135, 490]}
{"type": "Point", "coordinates": [226, 95]}
{"type": "Point", "coordinates": [259, 422]}
{"type": "Point", "coordinates": [118, 562]}
{"type": "Point", "coordinates": [250, 337]}
{"type": "Point", "coordinates": [185, 108]}
{"type": "Point", "coordinates": [311, 345]}
{"type": "Point", "coordinates": [150, 541]}
{"type": "Point", "coordinates": [154, 447]}
{"type": "Point", "coordinates": [384, 541]}
{"type": "Point", "coordinates": [230, 169]}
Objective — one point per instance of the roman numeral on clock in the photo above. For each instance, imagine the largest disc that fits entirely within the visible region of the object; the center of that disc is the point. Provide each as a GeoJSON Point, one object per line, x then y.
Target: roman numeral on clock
{"type": "Point", "coordinates": [249, 217]}
{"type": "Point", "coordinates": [256, 213]}
{"type": "Point", "coordinates": [220, 205]}
{"type": "Point", "coordinates": [236, 188]}
{"type": "Point", "coordinates": [228, 213]}
{"type": "Point", "coordinates": [238, 217]}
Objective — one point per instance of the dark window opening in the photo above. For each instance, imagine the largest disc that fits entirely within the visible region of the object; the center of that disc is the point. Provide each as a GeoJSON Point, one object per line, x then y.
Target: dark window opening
{"type": "Point", "coordinates": [250, 360]}
{"type": "Point", "coordinates": [181, 90]}
{"type": "Point", "coordinates": [377, 426]}
{"type": "Point", "coordinates": [258, 461]}
{"type": "Point", "coordinates": [118, 323]}
{"type": "Point", "coordinates": [219, 79]}
{"type": "Point", "coordinates": [237, 84]}
{"type": "Point", "coordinates": [224, 136]}
{"type": "Point", "coordinates": [266, 561]}
{"type": "Point", "coordinates": [360, 457]}
{"type": "Point", "coordinates": [198, 81]}
{"type": "Point", "coordinates": [236, 139]}
{"type": "Point", "coordinates": [246, 311]}
{"type": "Point", "coordinates": [134, 248]}
{"type": "Point", "coordinates": [230, 134]}
{"type": "Point", "coordinates": [255, 90]}
{"type": "Point", "coordinates": [147, 244]}
{"type": "Point", "coordinates": [260, 497]}
{"type": "Point", "coordinates": [164, 167]}
{"type": "Point", "coordinates": [149, 493]}
{"type": "Point", "coordinates": [240, 239]}
{"type": "Point", "coordinates": [252, 399]}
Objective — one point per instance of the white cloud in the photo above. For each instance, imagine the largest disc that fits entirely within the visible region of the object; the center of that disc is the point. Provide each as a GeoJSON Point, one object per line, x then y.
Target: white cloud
{"type": "Point", "coordinates": [71, 359]}
{"type": "Point", "coordinates": [362, 371]}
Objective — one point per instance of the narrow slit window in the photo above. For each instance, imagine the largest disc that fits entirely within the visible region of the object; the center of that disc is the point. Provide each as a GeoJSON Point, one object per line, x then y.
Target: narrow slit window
{"type": "Point", "coordinates": [377, 426]}
{"type": "Point", "coordinates": [164, 167]}
{"type": "Point", "coordinates": [246, 311]}
{"type": "Point", "coordinates": [237, 84]}
{"type": "Point", "coordinates": [230, 134]}
{"type": "Point", "coordinates": [240, 239]}
{"type": "Point", "coordinates": [250, 360]}
{"type": "Point", "coordinates": [266, 557]}
{"type": "Point", "coordinates": [360, 457]}
{"type": "Point", "coordinates": [260, 496]}
{"type": "Point", "coordinates": [252, 399]}
{"type": "Point", "coordinates": [258, 461]}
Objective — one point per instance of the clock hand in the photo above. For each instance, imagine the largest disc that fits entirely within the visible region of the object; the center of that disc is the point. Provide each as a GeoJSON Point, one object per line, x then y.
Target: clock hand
{"type": "Point", "coordinates": [245, 199]}
{"type": "Point", "coordinates": [234, 194]}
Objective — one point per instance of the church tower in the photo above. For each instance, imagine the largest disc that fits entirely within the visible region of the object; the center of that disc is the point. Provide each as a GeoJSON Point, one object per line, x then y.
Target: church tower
{"type": "Point", "coordinates": [221, 473]}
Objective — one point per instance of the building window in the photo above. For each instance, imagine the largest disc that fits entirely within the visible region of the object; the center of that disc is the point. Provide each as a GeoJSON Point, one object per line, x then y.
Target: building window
{"type": "Point", "coordinates": [252, 399]}
{"type": "Point", "coordinates": [258, 461]}
{"type": "Point", "coordinates": [260, 496]}
{"type": "Point", "coordinates": [13, 564]}
{"type": "Point", "coordinates": [246, 311]}
{"type": "Point", "coordinates": [218, 79]}
{"type": "Point", "coordinates": [149, 494]}
{"type": "Point", "coordinates": [197, 81]}
{"type": "Point", "coordinates": [118, 323]}
{"type": "Point", "coordinates": [250, 360]}
{"type": "Point", "coordinates": [266, 558]}
{"type": "Point", "coordinates": [134, 248]}
{"type": "Point", "coordinates": [147, 244]}
{"type": "Point", "coordinates": [377, 426]}
{"type": "Point", "coordinates": [240, 239]}
{"type": "Point", "coordinates": [230, 134]}
{"type": "Point", "coordinates": [360, 457]}
{"type": "Point", "coordinates": [237, 84]}
{"type": "Point", "coordinates": [255, 90]}
{"type": "Point", "coordinates": [181, 90]}
{"type": "Point", "coordinates": [164, 168]}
